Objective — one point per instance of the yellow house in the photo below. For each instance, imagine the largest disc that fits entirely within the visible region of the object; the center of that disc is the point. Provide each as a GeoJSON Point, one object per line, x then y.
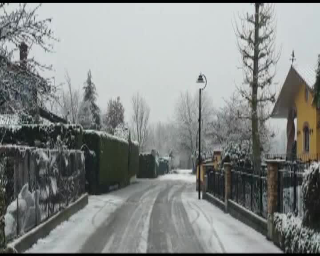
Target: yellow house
{"type": "Point", "coordinates": [295, 101]}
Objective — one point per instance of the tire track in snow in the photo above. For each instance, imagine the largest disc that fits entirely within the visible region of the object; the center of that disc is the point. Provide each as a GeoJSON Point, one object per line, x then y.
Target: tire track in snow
{"type": "Point", "coordinates": [212, 228]}
{"type": "Point", "coordinates": [116, 223]}
{"type": "Point", "coordinates": [170, 229]}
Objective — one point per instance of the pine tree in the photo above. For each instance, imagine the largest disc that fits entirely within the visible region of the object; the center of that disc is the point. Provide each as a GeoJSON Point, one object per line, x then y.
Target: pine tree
{"type": "Point", "coordinates": [317, 85]}
{"type": "Point", "coordinates": [90, 95]}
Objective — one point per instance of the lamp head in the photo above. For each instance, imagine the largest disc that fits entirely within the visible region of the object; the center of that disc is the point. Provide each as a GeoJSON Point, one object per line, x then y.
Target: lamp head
{"type": "Point", "coordinates": [200, 79]}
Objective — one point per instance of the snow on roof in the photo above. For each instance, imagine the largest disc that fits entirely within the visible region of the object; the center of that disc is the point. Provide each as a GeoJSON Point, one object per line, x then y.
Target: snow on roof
{"type": "Point", "coordinates": [307, 73]}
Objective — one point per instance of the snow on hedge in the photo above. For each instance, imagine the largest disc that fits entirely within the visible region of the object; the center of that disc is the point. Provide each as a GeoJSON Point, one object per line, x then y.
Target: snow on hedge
{"type": "Point", "coordinates": [15, 127]}
{"type": "Point", "coordinates": [106, 135]}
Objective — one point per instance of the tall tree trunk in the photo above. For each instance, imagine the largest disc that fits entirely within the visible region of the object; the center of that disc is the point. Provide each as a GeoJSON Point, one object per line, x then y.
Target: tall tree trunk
{"type": "Point", "coordinates": [256, 148]}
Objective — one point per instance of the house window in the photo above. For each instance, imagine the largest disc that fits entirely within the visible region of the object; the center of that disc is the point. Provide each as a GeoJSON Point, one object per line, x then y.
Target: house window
{"type": "Point", "coordinates": [306, 140]}
{"type": "Point", "coordinates": [307, 94]}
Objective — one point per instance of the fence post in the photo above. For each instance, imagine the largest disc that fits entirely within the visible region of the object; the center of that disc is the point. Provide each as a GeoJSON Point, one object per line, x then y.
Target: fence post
{"type": "Point", "coordinates": [272, 181]}
{"type": "Point", "coordinates": [294, 188]}
{"type": "Point", "coordinates": [227, 187]}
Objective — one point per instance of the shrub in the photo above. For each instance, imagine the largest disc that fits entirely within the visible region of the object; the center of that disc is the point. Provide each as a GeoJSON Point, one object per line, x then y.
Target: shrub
{"type": "Point", "coordinates": [311, 200]}
{"type": "Point", "coordinates": [294, 237]}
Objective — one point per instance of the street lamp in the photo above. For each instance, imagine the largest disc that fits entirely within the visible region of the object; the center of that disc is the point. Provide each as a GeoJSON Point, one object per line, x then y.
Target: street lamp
{"type": "Point", "coordinates": [201, 81]}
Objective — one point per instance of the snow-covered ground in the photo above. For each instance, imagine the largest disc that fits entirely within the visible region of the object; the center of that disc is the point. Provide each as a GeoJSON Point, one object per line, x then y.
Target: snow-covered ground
{"type": "Point", "coordinates": [183, 175]}
{"type": "Point", "coordinates": [153, 215]}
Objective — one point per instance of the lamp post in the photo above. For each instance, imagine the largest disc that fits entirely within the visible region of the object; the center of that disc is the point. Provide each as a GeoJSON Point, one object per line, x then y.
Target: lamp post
{"type": "Point", "coordinates": [201, 81]}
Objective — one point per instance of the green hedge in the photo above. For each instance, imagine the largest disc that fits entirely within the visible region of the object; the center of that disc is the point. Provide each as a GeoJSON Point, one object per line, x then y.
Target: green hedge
{"type": "Point", "coordinates": [133, 159]}
{"type": "Point", "coordinates": [27, 135]}
{"type": "Point", "coordinates": [163, 166]}
{"type": "Point", "coordinates": [115, 165]}
{"type": "Point", "coordinates": [148, 167]}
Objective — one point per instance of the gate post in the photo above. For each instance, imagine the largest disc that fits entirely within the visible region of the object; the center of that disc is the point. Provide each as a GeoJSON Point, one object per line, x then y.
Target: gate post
{"type": "Point", "coordinates": [272, 181]}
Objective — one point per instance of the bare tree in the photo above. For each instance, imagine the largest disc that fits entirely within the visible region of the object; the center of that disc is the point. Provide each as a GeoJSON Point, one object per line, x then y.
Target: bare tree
{"type": "Point", "coordinates": [228, 126]}
{"type": "Point", "coordinates": [186, 117]}
{"type": "Point", "coordinates": [70, 101]}
{"type": "Point", "coordinates": [140, 119]}
{"type": "Point", "coordinates": [256, 43]}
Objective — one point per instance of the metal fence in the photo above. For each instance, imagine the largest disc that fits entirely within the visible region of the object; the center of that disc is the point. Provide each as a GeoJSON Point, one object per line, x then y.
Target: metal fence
{"type": "Point", "coordinates": [37, 184]}
{"type": "Point", "coordinates": [249, 189]}
{"type": "Point", "coordinates": [216, 183]}
{"type": "Point", "coordinates": [290, 177]}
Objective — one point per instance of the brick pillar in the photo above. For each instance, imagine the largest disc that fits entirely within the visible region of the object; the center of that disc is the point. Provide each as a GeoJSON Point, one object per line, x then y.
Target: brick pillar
{"type": "Point", "coordinates": [272, 181]}
{"type": "Point", "coordinates": [227, 184]}
{"type": "Point", "coordinates": [205, 184]}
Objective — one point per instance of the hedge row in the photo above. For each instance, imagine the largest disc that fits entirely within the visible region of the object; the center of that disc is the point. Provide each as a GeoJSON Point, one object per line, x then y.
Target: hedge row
{"type": "Point", "coordinates": [116, 160]}
{"type": "Point", "coordinates": [148, 166]}
{"type": "Point", "coordinates": [43, 136]}
{"type": "Point", "coordinates": [164, 167]}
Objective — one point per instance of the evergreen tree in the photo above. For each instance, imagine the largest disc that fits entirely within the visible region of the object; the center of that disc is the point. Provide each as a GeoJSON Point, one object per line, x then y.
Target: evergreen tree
{"type": "Point", "coordinates": [90, 95]}
{"type": "Point", "coordinates": [316, 100]}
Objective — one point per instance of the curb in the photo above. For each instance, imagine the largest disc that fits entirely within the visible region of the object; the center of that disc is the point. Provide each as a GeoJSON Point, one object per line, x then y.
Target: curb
{"type": "Point", "coordinates": [26, 241]}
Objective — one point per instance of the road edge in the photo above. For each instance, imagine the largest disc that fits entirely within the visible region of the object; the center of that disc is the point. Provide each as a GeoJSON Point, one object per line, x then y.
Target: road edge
{"type": "Point", "coordinates": [26, 241]}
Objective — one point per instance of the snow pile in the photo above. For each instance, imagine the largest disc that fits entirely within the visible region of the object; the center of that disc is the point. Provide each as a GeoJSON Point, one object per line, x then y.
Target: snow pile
{"type": "Point", "coordinates": [182, 175]}
{"type": "Point", "coordinates": [184, 171]}
{"type": "Point", "coordinates": [28, 206]}
{"type": "Point", "coordinates": [294, 237]}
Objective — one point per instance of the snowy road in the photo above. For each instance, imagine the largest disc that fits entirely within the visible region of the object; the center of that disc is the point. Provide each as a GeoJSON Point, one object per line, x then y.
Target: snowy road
{"type": "Point", "coordinates": [160, 215]}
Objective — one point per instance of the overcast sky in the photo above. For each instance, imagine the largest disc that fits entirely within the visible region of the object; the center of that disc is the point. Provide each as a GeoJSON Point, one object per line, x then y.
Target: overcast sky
{"type": "Point", "coordinates": [160, 49]}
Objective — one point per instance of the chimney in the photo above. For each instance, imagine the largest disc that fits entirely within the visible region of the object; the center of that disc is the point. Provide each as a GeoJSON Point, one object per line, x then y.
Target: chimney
{"type": "Point", "coordinates": [23, 55]}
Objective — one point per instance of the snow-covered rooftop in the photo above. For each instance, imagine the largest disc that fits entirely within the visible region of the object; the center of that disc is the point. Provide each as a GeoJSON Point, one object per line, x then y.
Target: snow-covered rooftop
{"type": "Point", "coordinates": [307, 73]}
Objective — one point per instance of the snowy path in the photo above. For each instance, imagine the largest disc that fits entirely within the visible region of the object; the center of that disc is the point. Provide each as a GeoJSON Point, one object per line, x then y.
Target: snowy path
{"type": "Point", "coordinates": [160, 215]}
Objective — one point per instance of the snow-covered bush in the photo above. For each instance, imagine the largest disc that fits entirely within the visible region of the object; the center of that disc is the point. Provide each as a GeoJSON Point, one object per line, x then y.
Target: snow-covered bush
{"type": "Point", "coordinates": [311, 199]}
{"type": "Point", "coordinates": [122, 131]}
{"type": "Point", "coordinates": [44, 136]}
{"type": "Point", "coordinates": [237, 154]}
{"type": "Point", "coordinates": [294, 237]}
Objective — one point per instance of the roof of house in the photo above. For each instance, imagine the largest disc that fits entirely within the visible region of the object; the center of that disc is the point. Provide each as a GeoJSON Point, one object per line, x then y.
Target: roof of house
{"type": "Point", "coordinates": [308, 74]}
{"type": "Point", "coordinates": [22, 77]}
{"type": "Point", "coordinates": [297, 76]}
